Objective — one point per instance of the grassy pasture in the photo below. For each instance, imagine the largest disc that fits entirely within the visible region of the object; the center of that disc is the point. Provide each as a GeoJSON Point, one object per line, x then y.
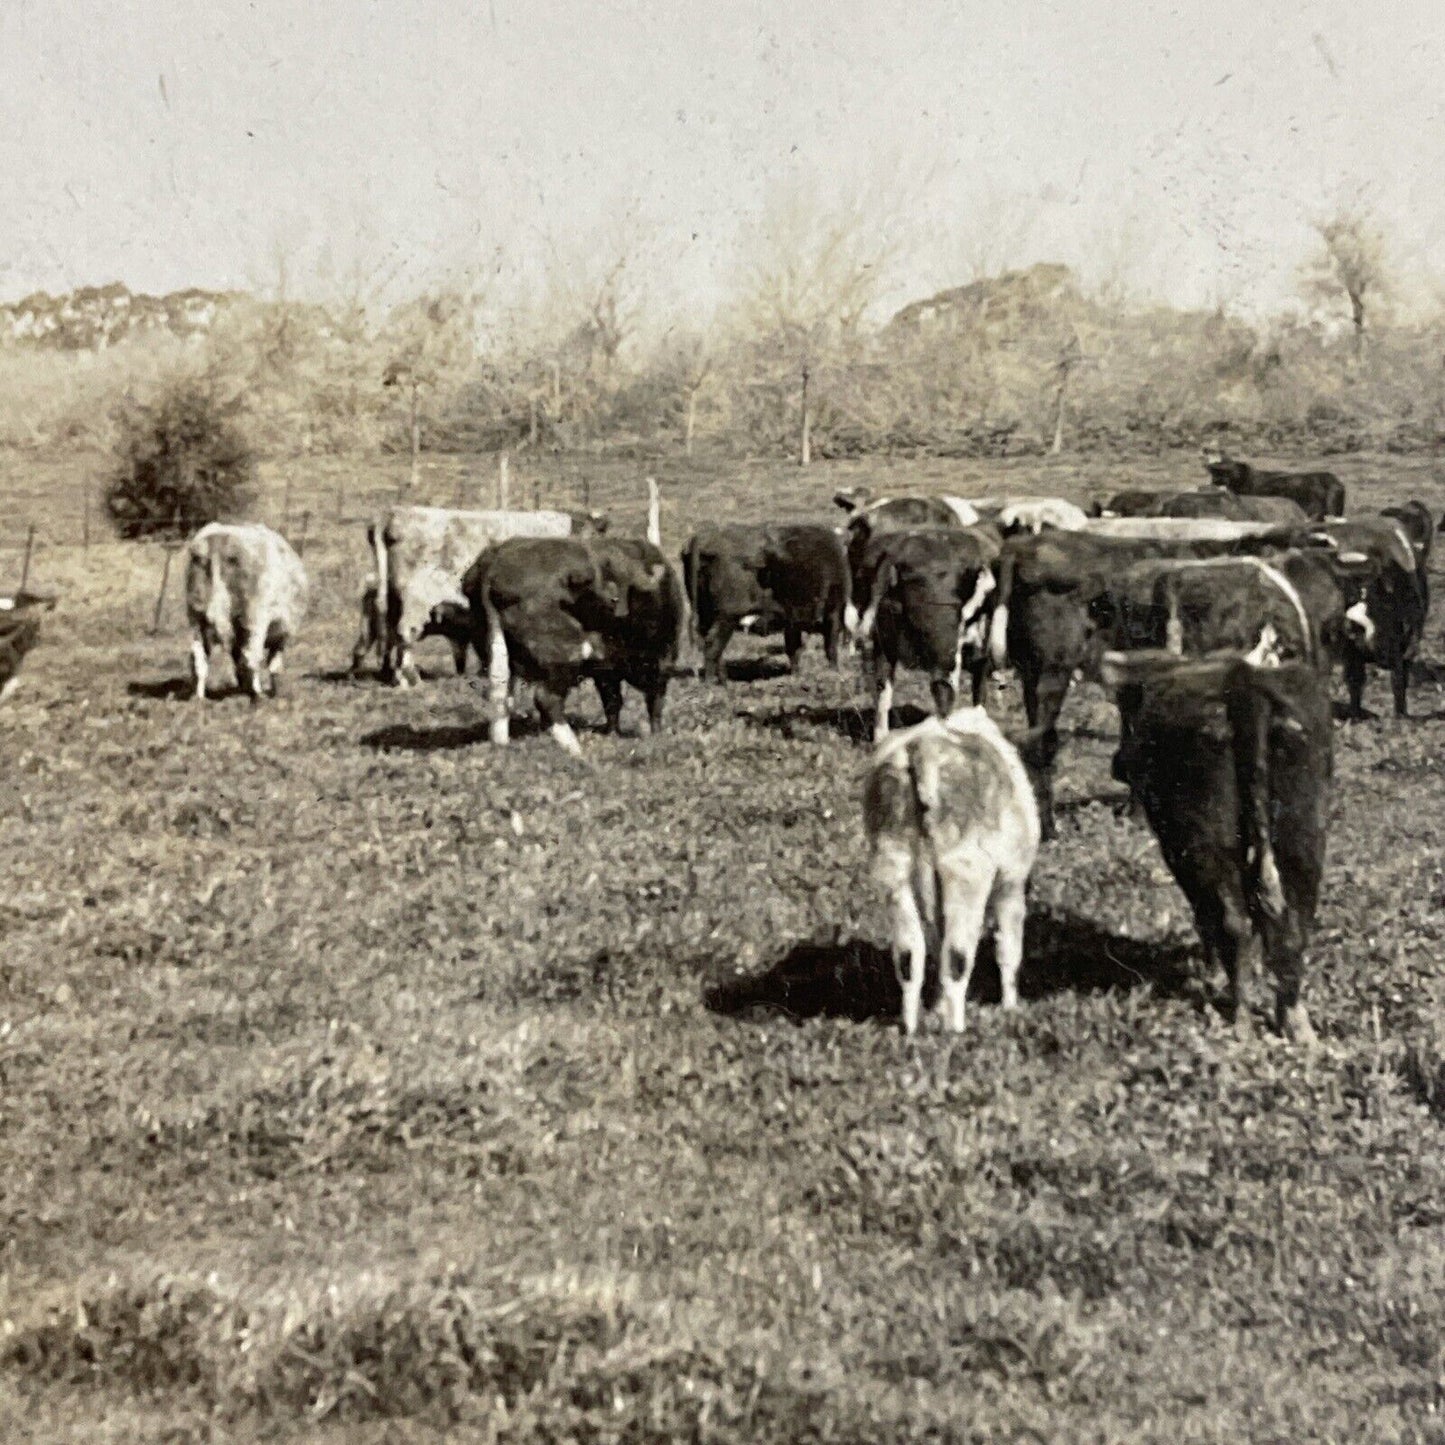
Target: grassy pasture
{"type": "Point", "coordinates": [360, 1082]}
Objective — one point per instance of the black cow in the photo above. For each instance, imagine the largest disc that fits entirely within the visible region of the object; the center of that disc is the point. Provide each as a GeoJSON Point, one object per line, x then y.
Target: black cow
{"type": "Point", "coordinates": [1419, 528]}
{"type": "Point", "coordinates": [1047, 620]}
{"type": "Point", "coordinates": [560, 609]}
{"type": "Point", "coordinates": [1299, 604]}
{"type": "Point", "coordinates": [792, 576]}
{"type": "Point", "coordinates": [925, 600]}
{"type": "Point", "coordinates": [1320, 494]}
{"type": "Point", "coordinates": [1232, 764]}
{"type": "Point", "coordinates": [870, 516]}
{"type": "Point", "coordinates": [19, 632]}
{"type": "Point", "coordinates": [1392, 610]}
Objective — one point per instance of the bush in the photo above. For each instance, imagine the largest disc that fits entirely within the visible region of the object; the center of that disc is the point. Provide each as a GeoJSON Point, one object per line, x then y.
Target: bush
{"type": "Point", "coordinates": [182, 460]}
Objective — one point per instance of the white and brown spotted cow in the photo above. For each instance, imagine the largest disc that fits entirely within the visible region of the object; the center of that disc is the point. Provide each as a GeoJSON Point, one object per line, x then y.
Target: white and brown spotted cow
{"type": "Point", "coordinates": [420, 555]}
{"type": "Point", "coordinates": [246, 590]}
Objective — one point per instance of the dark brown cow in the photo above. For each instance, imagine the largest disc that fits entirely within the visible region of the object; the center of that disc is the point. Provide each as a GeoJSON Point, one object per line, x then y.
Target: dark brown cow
{"type": "Point", "coordinates": [1232, 765]}
{"type": "Point", "coordinates": [557, 610]}
{"type": "Point", "coordinates": [1320, 494]}
{"type": "Point", "coordinates": [925, 600]}
{"type": "Point", "coordinates": [792, 576]}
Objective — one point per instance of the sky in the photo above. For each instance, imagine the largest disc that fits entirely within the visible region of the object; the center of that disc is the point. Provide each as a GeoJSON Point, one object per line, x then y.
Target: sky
{"type": "Point", "coordinates": [1180, 148]}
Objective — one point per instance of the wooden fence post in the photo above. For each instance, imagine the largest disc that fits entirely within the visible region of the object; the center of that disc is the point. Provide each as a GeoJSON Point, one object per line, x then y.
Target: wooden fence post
{"type": "Point", "coordinates": [85, 514]}
{"type": "Point", "coordinates": [805, 449]}
{"type": "Point", "coordinates": [654, 513]}
{"type": "Point", "coordinates": [340, 503]}
{"type": "Point", "coordinates": [171, 550]}
{"type": "Point", "coordinates": [504, 466]}
{"type": "Point", "coordinates": [286, 507]}
{"type": "Point", "coordinates": [29, 548]}
{"type": "Point", "coordinates": [536, 491]}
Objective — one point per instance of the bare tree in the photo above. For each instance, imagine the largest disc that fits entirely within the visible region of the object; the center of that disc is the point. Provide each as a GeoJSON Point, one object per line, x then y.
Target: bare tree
{"type": "Point", "coordinates": [1352, 259]}
{"type": "Point", "coordinates": [428, 340]}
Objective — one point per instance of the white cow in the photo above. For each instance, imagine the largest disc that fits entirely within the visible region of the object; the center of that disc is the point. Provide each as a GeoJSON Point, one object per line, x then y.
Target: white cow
{"type": "Point", "coordinates": [954, 831]}
{"type": "Point", "coordinates": [420, 555]}
{"type": "Point", "coordinates": [246, 590]}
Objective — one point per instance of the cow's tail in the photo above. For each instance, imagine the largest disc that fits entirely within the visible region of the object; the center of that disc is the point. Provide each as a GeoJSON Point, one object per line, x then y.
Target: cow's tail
{"type": "Point", "coordinates": [691, 565]}
{"type": "Point", "coordinates": [499, 670]}
{"type": "Point", "coordinates": [654, 513]}
{"type": "Point", "coordinates": [1174, 627]}
{"type": "Point", "coordinates": [924, 775]}
{"type": "Point", "coordinates": [998, 623]}
{"type": "Point", "coordinates": [1251, 708]}
{"type": "Point", "coordinates": [218, 595]}
{"type": "Point", "coordinates": [381, 605]}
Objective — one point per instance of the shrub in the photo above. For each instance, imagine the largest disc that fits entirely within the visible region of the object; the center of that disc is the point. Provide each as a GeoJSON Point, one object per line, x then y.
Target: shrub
{"type": "Point", "coordinates": [182, 460]}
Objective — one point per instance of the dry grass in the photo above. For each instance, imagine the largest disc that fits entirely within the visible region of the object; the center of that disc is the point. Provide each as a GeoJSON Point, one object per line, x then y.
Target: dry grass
{"type": "Point", "coordinates": [362, 1082]}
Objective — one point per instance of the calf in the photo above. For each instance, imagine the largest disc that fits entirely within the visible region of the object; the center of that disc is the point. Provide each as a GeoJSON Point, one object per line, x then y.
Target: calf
{"type": "Point", "coordinates": [1319, 494]}
{"type": "Point", "coordinates": [246, 590]}
{"type": "Point", "coordinates": [925, 597]}
{"type": "Point", "coordinates": [788, 575]}
{"type": "Point", "coordinates": [1231, 763]}
{"type": "Point", "coordinates": [557, 610]}
{"type": "Point", "coordinates": [953, 830]}
{"type": "Point", "coordinates": [448, 618]}
{"type": "Point", "coordinates": [420, 554]}
{"type": "Point", "coordinates": [19, 632]}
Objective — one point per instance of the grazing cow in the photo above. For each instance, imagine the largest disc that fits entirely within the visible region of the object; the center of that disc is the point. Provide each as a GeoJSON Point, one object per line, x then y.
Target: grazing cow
{"type": "Point", "coordinates": [925, 598]}
{"type": "Point", "coordinates": [953, 830]}
{"type": "Point", "coordinates": [1391, 613]}
{"type": "Point", "coordinates": [792, 576]}
{"type": "Point", "coordinates": [420, 554]}
{"type": "Point", "coordinates": [246, 590]}
{"type": "Point", "coordinates": [557, 610]}
{"type": "Point", "coordinates": [19, 632]}
{"type": "Point", "coordinates": [1320, 494]}
{"type": "Point", "coordinates": [1231, 763]}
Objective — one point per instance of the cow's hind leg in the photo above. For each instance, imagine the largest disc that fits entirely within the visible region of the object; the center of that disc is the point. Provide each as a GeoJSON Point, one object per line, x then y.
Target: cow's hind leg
{"type": "Point", "coordinates": [275, 659]}
{"type": "Point", "coordinates": [1229, 940]}
{"type": "Point", "coordinates": [200, 663]}
{"type": "Point", "coordinates": [459, 654]}
{"type": "Point", "coordinates": [714, 641]}
{"type": "Point", "coordinates": [1009, 911]}
{"type": "Point", "coordinates": [1399, 684]}
{"type": "Point", "coordinates": [882, 670]}
{"type": "Point", "coordinates": [1355, 684]}
{"type": "Point", "coordinates": [551, 700]}
{"type": "Point", "coordinates": [792, 644]}
{"type": "Point", "coordinates": [966, 886]}
{"type": "Point", "coordinates": [910, 950]}
{"type": "Point", "coordinates": [945, 694]}
{"type": "Point", "coordinates": [609, 689]}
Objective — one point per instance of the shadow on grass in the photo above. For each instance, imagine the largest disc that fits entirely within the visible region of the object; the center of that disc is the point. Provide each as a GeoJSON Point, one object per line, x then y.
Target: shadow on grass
{"type": "Point", "coordinates": [169, 689]}
{"type": "Point", "coordinates": [853, 723]}
{"type": "Point", "coordinates": [756, 669]}
{"type": "Point", "coordinates": [854, 978]}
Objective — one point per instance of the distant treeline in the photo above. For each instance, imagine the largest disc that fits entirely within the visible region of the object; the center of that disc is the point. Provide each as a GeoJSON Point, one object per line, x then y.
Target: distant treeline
{"type": "Point", "coordinates": [1020, 364]}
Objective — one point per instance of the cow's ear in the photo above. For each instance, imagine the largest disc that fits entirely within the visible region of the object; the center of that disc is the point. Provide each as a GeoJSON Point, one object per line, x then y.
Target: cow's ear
{"type": "Point", "coordinates": [851, 499]}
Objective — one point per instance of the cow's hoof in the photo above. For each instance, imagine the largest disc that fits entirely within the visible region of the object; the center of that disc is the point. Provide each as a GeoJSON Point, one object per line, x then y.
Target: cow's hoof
{"type": "Point", "coordinates": [1295, 1025]}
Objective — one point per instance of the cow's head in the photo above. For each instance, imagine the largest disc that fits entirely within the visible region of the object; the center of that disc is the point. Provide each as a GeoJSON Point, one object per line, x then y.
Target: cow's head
{"type": "Point", "coordinates": [593, 524]}
{"type": "Point", "coordinates": [852, 499]}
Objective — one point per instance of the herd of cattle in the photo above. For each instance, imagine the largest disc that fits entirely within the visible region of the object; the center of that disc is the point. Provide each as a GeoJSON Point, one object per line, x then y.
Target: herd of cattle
{"type": "Point", "coordinates": [1213, 616]}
